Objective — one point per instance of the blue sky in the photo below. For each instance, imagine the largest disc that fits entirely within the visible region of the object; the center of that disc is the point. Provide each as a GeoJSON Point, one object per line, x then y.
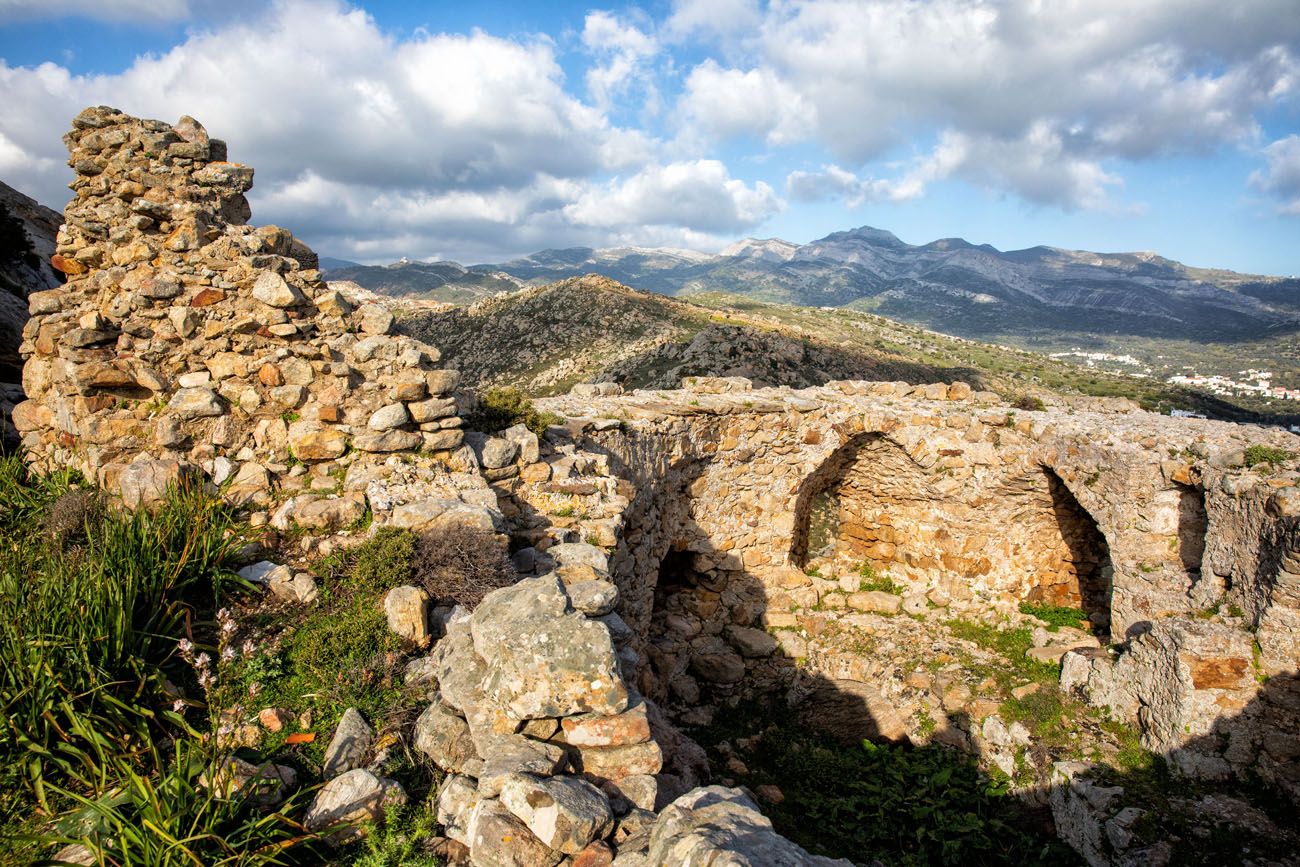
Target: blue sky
{"type": "Point", "coordinates": [480, 131]}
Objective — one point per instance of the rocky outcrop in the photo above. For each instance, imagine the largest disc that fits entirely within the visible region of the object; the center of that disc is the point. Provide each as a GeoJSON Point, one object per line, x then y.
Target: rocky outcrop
{"type": "Point", "coordinates": [186, 338]}
{"type": "Point", "coordinates": [27, 232]}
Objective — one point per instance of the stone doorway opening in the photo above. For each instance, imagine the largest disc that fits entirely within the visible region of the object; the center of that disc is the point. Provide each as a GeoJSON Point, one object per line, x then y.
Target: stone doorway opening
{"type": "Point", "coordinates": [1012, 535]}
{"type": "Point", "coordinates": [1078, 573]}
{"type": "Point", "coordinates": [1193, 523]}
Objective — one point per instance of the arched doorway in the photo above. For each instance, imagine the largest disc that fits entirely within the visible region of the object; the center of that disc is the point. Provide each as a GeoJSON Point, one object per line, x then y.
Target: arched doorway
{"type": "Point", "coordinates": [1017, 534]}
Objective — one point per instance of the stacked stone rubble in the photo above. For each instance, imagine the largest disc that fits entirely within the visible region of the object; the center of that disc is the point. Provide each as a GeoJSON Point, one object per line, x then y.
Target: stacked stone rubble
{"type": "Point", "coordinates": [186, 339]}
{"type": "Point", "coordinates": [549, 754]}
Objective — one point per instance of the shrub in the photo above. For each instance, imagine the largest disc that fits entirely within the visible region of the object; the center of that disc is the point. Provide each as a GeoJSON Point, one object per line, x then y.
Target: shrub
{"type": "Point", "coordinates": [383, 561]}
{"type": "Point", "coordinates": [1030, 403]}
{"type": "Point", "coordinates": [1270, 455]}
{"type": "Point", "coordinates": [399, 841]}
{"type": "Point", "coordinates": [73, 516]}
{"type": "Point", "coordinates": [500, 408]}
{"type": "Point", "coordinates": [462, 565]}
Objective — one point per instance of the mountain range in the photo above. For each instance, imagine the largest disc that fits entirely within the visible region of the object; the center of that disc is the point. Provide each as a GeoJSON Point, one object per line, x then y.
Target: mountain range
{"type": "Point", "coordinates": [948, 285]}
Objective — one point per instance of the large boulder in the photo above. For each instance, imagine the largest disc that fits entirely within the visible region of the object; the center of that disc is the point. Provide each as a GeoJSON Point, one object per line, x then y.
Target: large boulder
{"type": "Point", "coordinates": [544, 660]}
{"type": "Point", "coordinates": [716, 826]}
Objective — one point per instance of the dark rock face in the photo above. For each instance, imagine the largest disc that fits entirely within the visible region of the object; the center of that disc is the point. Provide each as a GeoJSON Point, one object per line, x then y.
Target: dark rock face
{"type": "Point", "coordinates": [27, 233]}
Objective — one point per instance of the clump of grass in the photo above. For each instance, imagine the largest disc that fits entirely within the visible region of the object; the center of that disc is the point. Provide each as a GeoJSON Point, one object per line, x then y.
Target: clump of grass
{"type": "Point", "coordinates": [873, 580]}
{"type": "Point", "coordinates": [398, 842]}
{"type": "Point", "coordinates": [88, 633]}
{"type": "Point", "coordinates": [1271, 455]}
{"type": "Point", "coordinates": [171, 817]}
{"type": "Point", "coordinates": [500, 408]}
{"type": "Point", "coordinates": [1055, 616]}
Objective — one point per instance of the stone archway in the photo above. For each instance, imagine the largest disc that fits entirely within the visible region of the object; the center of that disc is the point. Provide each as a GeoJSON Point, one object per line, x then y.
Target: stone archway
{"type": "Point", "coordinates": [1016, 534]}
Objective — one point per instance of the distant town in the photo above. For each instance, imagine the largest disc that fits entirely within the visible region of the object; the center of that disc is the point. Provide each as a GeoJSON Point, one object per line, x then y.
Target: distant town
{"type": "Point", "coordinates": [1250, 382]}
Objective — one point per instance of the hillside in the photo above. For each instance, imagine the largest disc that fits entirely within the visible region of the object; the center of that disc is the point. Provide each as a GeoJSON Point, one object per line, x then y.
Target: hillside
{"type": "Point", "coordinates": [1170, 317]}
{"type": "Point", "coordinates": [439, 281]}
{"type": "Point", "coordinates": [588, 329]}
{"type": "Point", "coordinates": [591, 328]}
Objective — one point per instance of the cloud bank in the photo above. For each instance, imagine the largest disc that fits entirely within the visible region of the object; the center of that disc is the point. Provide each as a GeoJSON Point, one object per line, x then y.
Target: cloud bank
{"type": "Point", "coordinates": [373, 144]}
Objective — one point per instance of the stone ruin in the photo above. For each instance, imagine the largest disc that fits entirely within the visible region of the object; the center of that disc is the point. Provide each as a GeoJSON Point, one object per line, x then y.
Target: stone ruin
{"type": "Point", "coordinates": [187, 339]}
{"type": "Point", "coordinates": [668, 539]}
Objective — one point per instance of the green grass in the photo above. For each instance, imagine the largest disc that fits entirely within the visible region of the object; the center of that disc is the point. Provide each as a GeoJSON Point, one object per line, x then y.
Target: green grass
{"type": "Point", "coordinates": [1011, 643]}
{"type": "Point", "coordinates": [334, 655]}
{"type": "Point", "coordinates": [1056, 616]}
{"type": "Point", "coordinates": [1258, 454]}
{"type": "Point", "coordinates": [90, 617]}
{"type": "Point", "coordinates": [881, 581]}
{"type": "Point", "coordinates": [904, 806]}
{"type": "Point", "coordinates": [171, 818]}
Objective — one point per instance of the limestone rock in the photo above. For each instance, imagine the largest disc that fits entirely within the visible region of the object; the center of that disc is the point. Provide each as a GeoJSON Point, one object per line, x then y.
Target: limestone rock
{"type": "Point", "coordinates": [497, 452]}
{"type": "Point", "coordinates": [505, 755]}
{"type": "Point", "coordinates": [144, 483]}
{"type": "Point", "coordinates": [407, 610]}
{"type": "Point", "coordinates": [629, 727]}
{"type": "Point", "coordinates": [312, 442]}
{"type": "Point", "coordinates": [375, 319]}
{"type": "Point", "coordinates": [444, 737]}
{"type": "Point", "coordinates": [391, 416]}
{"type": "Point", "coordinates": [717, 825]}
{"type": "Point", "coordinates": [498, 838]}
{"type": "Point", "coordinates": [349, 745]}
{"type": "Point", "coordinates": [877, 601]}
{"type": "Point", "coordinates": [271, 289]}
{"type": "Point", "coordinates": [544, 660]}
{"type": "Point", "coordinates": [350, 798]}
{"type": "Point", "coordinates": [595, 598]}
{"type": "Point", "coordinates": [565, 813]}
{"type": "Point", "coordinates": [387, 441]}
{"type": "Point", "coordinates": [192, 403]}
{"type": "Point", "coordinates": [291, 586]}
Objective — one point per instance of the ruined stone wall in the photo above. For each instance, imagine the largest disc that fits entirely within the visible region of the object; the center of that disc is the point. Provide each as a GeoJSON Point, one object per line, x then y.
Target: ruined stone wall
{"type": "Point", "coordinates": [185, 339]}
{"type": "Point", "coordinates": [964, 502]}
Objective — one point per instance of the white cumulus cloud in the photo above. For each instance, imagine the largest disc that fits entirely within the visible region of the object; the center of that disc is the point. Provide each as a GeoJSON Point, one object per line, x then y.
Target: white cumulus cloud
{"type": "Point", "coordinates": [699, 194]}
{"type": "Point", "coordinates": [1042, 98]}
{"type": "Point", "coordinates": [1281, 176]}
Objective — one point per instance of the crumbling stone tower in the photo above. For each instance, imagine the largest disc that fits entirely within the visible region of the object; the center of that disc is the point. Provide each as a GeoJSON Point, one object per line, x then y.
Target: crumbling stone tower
{"type": "Point", "coordinates": [186, 338]}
